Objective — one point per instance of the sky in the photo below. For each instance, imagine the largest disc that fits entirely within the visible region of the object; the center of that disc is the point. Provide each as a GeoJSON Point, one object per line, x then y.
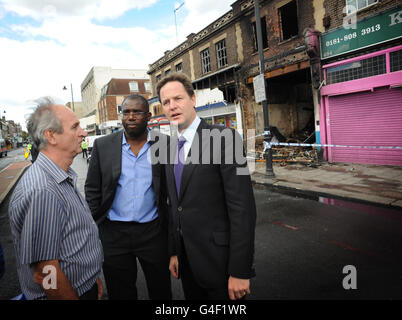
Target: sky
{"type": "Point", "coordinates": [48, 44]}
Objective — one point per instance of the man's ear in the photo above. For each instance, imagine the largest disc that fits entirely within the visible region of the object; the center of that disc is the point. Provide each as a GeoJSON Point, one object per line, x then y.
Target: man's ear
{"type": "Point", "coordinates": [194, 100]}
{"type": "Point", "coordinates": [49, 135]}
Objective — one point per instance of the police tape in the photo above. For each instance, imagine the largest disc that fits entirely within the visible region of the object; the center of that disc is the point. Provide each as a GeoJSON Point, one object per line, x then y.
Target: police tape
{"type": "Point", "coordinates": [268, 145]}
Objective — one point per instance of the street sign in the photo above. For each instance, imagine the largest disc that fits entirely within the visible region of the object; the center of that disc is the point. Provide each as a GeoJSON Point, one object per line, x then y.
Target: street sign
{"type": "Point", "coordinates": [366, 33]}
{"type": "Point", "coordinates": [259, 88]}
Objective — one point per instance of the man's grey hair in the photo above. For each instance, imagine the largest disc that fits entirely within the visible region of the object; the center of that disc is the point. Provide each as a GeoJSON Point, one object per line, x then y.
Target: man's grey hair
{"type": "Point", "coordinates": [43, 118]}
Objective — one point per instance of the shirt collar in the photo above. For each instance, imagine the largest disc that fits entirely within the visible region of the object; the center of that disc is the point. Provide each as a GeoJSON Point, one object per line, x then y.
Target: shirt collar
{"type": "Point", "coordinates": [189, 133]}
{"type": "Point", "coordinates": [124, 140]}
{"type": "Point", "coordinates": [55, 171]}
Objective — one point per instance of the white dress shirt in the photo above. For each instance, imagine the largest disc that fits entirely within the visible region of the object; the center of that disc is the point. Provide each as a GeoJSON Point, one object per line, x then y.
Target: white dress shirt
{"type": "Point", "coordinates": [189, 134]}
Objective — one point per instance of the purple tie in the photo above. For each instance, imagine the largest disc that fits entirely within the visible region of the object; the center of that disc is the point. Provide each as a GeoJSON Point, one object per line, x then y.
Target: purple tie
{"type": "Point", "coordinates": [178, 167]}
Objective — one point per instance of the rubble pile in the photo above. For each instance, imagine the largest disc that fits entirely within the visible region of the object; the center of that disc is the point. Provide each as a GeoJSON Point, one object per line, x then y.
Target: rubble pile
{"type": "Point", "coordinates": [290, 155]}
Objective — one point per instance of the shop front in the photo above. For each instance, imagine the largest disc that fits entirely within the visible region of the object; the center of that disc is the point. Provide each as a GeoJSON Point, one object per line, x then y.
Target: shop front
{"type": "Point", "coordinates": [361, 101]}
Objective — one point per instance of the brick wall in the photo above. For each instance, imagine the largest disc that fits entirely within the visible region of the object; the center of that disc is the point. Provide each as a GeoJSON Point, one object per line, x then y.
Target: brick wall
{"type": "Point", "coordinates": [275, 45]}
{"type": "Point", "coordinates": [334, 10]}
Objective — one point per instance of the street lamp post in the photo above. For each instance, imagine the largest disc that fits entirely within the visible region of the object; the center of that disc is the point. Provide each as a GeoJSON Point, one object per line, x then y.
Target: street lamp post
{"type": "Point", "coordinates": [175, 21]}
{"type": "Point", "coordinates": [72, 95]}
{"type": "Point", "coordinates": [267, 132]}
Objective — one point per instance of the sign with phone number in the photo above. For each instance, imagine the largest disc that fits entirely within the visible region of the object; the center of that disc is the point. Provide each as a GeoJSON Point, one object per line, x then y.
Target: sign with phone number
{"type": "Point", "coordinates": [362, 34]}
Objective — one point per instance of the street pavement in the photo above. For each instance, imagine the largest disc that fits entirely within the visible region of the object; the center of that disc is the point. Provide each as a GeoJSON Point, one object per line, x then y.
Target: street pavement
{"type": "Point", "coordinates": [304, 238]}
{"type": "Point", "coordinates": [366, 183]}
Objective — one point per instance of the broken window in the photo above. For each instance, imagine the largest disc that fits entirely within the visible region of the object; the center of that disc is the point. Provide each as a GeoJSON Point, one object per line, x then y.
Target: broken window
{"type": "Point", "coordinates": [221, 53]}
{"type": "Point", "coordinates": [288, 20]}
{"type": "Point", "coordinates": [229, 93]}
{"type": "Point", "coordinates": [205, 61]}
{"type": "Point", "coordinates": [263, 32]}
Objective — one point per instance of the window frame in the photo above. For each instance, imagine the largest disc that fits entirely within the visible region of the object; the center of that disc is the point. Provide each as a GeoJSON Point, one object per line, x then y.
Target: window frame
{"type": "Point", "coordinates": [147, 84]}
{"type": "Point", "coordinates": [281, 21]}
{"type": "Point", "coordinates": [181, 67]}
{"type": "Point", "coordinates": [355, 5]}
{"type": "Point", "coordinates": [132, 83]}
{"type": "Point", "coordinates": [221, 54]}
{"type": "Point", "coordinates": [264, 34]}
{"type": "Point", "coordinates": [205, 60]}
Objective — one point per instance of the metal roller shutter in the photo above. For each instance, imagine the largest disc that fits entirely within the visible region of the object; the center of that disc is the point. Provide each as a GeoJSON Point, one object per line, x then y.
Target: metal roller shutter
{"type": "Point", "coordinates": [366, 119]}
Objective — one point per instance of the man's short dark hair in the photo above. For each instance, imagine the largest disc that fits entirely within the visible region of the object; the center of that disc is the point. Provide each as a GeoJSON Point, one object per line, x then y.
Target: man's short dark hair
{"type": "Point", "coordinates": [139, 97]}
{"type": "Point", "coordinates": [176, 76]}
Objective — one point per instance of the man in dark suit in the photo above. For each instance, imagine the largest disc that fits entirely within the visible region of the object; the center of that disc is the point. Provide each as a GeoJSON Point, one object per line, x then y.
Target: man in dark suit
{"type": "Point", "coordinates": [212, 206]}
{"type": "Point", "coordinates": [126, 194]}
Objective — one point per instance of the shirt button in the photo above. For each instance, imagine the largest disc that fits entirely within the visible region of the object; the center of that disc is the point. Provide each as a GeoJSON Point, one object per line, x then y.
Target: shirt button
{"type": "Point", "coordinates": [180, 209]}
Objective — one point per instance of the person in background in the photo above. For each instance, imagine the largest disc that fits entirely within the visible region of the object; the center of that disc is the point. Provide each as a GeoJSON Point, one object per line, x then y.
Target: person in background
{"type": "Point", "coordinates": [58, 250]}
{"type": "Point", "coordinates": [84, 147]}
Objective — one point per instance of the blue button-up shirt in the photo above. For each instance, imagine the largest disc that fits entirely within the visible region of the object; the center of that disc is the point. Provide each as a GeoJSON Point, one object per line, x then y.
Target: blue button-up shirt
{"type": "Point", "coordinates": [135, 197]}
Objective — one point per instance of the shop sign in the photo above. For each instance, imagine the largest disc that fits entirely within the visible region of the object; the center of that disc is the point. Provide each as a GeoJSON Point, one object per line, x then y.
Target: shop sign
{"type": "Point", "coordinates": [362, 34]}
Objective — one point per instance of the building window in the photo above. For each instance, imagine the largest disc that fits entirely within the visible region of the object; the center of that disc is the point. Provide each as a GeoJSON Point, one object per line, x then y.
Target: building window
{"type": "Point", "coordinates": [205, 61]}
{"type": "Point", "coordinates": [167, 72]}
{"type": "Point", "coordinates": [355, 5]}
{"type": "Point", "coordinates": [221, 53]}
{"type": "Point", "coordinates": [288, 20]}
{"type": "Point", "coordinates": [104, 90]}
{"type": "Point", "coordinates": [396, 60]}
{"type": "Point", "coordinates": [179, 67]}
{"type": "Point", "coordinates": [263, 32]}
{"type": "Point", "coordinates": [158, 78]}
{"type": "Point", "coordinates": [133, 86]}
{"type": "Point", "coordinates": [147, 86]}
{"type": "Point", "coordinates": [357, 70]}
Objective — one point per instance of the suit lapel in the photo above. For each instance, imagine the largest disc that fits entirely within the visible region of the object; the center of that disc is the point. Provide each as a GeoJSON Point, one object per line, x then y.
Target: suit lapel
{"type": "Point", "coordinates": [116, 149]}
{"type": "Point", "coordinates": [155, 163]}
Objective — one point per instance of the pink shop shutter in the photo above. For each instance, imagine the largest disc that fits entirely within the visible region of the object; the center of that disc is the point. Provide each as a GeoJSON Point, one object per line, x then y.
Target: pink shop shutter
{"type": "Point", "coordinates": [367, 119]}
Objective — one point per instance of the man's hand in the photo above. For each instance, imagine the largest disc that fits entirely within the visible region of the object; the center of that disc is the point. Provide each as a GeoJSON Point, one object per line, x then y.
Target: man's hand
{"type": "Point", "coordinates": [238, 288]}
{"type": "Point", "coordinates": [174, 266]}
{"type": "Point", "coordinates": [63, 289]}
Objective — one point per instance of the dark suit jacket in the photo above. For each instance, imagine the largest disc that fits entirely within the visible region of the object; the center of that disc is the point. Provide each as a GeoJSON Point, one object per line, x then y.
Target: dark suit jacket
{"type": "Point", "coordinates": [104, 173]}
{"type": "Point", "coordinates": [215, 212]}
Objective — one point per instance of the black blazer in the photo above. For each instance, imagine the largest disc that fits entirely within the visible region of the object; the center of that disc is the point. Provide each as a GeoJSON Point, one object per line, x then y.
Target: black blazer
{"type": "Point", "coordinates": [104, 172]}
{"type": "Point", "coordinates": [214, 213]}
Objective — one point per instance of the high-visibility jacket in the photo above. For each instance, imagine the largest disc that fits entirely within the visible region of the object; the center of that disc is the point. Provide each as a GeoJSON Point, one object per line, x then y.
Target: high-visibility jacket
{"type": "Point", "coordinates": [84, 145]}
{"type": "Point", "coordinates": [29, 146]}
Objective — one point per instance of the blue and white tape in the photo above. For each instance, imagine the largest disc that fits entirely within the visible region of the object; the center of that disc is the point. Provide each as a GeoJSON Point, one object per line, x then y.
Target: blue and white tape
{"type": "Point", "coordinates": [268, 145]}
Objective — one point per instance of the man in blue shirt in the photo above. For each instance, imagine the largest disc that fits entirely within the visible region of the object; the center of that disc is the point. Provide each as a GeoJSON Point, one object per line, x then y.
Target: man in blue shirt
{"type": "Point", "coordinates": [126, 194]}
